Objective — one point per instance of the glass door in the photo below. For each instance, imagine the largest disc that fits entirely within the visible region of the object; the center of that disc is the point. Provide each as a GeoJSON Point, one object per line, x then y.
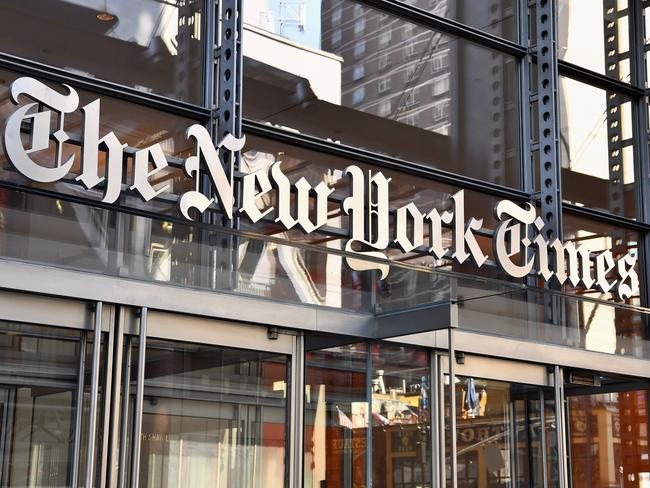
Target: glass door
{"type": "Point", "coordinates": [607, 431]}
{"type": "Point", "coordinates": [505, 425]}
{"type": "Point", "coordinates": [38, 391]}
{"type": "Point", "coordinates": [213, 415]}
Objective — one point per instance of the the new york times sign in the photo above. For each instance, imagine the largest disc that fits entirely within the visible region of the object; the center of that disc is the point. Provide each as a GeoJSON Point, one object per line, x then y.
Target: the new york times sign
{"type": "Point", "coordinates": [519, 245]}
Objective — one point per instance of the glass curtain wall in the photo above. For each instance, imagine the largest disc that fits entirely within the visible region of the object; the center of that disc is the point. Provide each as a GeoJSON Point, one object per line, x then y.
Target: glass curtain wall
{"type": "Point", "coordinates": [212, 416]}
{"type": "Point", "coordinates": [608, 435]}
{"type": "Point", "coordinates": [39, 378]}
{"type": "Point", "coordinates": [367, 417]}
{"type": "Point", "coordinates": [505, 434]}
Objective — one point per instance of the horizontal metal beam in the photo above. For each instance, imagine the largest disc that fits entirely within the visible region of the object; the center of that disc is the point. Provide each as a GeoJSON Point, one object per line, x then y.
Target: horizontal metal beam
{"type": "Point", "coordinates": [599, 80]}
{"type": "Point", "coordinates": [363, 156]}
{"type": "Point", "coordinates": [103, 87]}
{"type": "Point", "coordinates": [605, 217]}
{"type": "Point", "coordinates": [449, 26]}
{"type": "Point", "coordinates": [436, 316]}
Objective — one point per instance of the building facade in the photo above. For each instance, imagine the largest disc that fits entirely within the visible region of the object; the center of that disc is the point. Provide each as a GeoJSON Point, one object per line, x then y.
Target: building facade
{"type": "Point", "coordinates": [324, 243]}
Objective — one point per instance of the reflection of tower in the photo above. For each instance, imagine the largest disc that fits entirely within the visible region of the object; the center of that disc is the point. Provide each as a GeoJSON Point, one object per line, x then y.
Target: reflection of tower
{"type": "Point", "coordinates": [187, 40]}
{"type": "Point", "coordinates": [391, 68]}
{"type": "Point", "coordinates": [292, 14]}
{"type": "Point", "coordinates": [614, 120]}
{"type": "Point", "coordinates": [497, 154]}
{"type": "Point", "coordinates": [424, 78]}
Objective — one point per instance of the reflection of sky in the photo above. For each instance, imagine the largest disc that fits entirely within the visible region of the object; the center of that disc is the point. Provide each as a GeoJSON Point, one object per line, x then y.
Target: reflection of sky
{"type": "Point", "coordinates": [139, 21]}
{"type": "Point", "coordinates": [283, 17]}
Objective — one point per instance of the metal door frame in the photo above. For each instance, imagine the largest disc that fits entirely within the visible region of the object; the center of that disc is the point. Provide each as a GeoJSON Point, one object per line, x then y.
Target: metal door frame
{"type": "Point", "coordinates": [145, 324]}
{"type": "Point", "coordinates": [626, 384]}
{"type": "Point", "coordinates": [514, 371]}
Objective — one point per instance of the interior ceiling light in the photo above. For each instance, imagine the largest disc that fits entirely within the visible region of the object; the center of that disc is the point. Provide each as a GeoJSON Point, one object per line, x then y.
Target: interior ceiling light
{"type": "Point", "coordinates": [105, 17]}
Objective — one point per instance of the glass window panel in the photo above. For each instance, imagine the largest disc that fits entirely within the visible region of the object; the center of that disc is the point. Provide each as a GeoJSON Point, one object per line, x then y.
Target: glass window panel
{"type": "Point", "coordinates": [424, 96]}
{"type": "Point", "coordinates": [336, 416]}
{"type": "Point", "coordinates": [596, 148]}
{"type": "Point", "coordinates": [146, 44]}
{"type": "Point", "coordinates": [502, 431]}
{"type": "Point", "coordinates": [338, 411]}
{"type": "Point", "coordinates": [213, 417]}
{"type": "Point", "coordinates": [497, 17]}
{"type": "Point", "coordinates": [134, 125]}
{"type": "Point", "coordinates": [401, 415]}
{"type": "Point", "coordinates": [595, 34]}
{"type": "Point", "coordinates": [608, 439]}
{"type": "Point", "coordinates": [426, 194]}
{"type": "Point", "coordinates": [599, 236]}
{"type": "Point", "coordinates": [38, 388]}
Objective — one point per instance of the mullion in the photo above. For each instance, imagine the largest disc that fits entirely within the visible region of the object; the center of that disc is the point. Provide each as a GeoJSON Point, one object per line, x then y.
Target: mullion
{"type": "Point", "coordinates": [102, 87]}
{"type": "Point", "coordinates": [323, 146]}
{"type": "Point", "coordinates": [605, 217]}
{"type": "Point", "coordinates": [598, 80]}
{"type": "Point", "coordinates": [416, 15]}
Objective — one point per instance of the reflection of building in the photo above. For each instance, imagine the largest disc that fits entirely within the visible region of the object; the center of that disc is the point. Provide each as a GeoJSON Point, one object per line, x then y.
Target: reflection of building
{"type": "Point", "coordinates": [390, 69]}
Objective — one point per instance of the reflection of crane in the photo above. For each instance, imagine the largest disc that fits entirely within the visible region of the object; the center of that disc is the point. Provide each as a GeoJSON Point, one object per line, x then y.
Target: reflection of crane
{"type": "Point", "coordinates": [292, 13]}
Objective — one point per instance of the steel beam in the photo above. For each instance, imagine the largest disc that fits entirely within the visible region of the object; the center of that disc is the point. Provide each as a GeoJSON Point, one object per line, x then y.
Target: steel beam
{"type": "Point", "coordinates": [139, 395]}
{"type": "Point", "coordinates": [94, 394]}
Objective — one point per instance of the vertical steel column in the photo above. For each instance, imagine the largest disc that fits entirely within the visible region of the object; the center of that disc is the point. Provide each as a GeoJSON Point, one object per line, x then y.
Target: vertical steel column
{"type": "Point", "coordinates": [558, 377]}
{"type": "Point", "coordinates": [126, 400]}
{"type": "Point", "coordinates": [94, 393]}
{"type": "Point", "coordinates": [296, 412]}
{"type": "Point", "coordinates": [548, 137]}
{"type": "Point", "coordinates": [137, 414]}
{"type": "Point", "coordinates": [542, 421]}
{"type": "Point", "coordinates": [547, 86]}
{"type": "Point", "coordinates": [369, 417]}
{"type": "Point", "coordinates": [114, 412]}
{"type": "Point", "coordinates": [228, 101]}
{"type": "Point", "coordinates": [642, 169]}
{"type": "Point", "coordinates": [435, 419]}
{"type": "Point", "coordinates": [210, 66]}
{"type": "Point", "coordinates": [107, 402]}
{"type": "Point", "coordinates": [613, 115]}
{"type": "Point", "coordinates": [76, 450]}
{"type": "Point", "coordinates": [452, 408]}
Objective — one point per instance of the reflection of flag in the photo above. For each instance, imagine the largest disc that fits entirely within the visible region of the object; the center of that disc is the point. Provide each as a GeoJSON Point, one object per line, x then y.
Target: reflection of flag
{"type": "Point", "coordinates": [383, 420]}
{"type": "Point", "coordinates": [344, 420]}
{"type": "Point", "coordinates": [471, 398]}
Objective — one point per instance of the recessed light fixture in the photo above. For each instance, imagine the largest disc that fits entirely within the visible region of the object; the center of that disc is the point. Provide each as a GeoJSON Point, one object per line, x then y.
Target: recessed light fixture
{"type": "Point", "coordinates": [105, 17]}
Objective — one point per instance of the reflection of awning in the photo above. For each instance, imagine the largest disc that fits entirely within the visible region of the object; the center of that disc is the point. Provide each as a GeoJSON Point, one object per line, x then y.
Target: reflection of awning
{"type": "Point", "coordinates": [279, 97]}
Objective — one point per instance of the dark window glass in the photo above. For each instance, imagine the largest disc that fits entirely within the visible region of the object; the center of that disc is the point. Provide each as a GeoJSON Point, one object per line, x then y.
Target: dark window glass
{"type": "Point", "coordinates": [596, 148]}
{"type": "Point", "coordinates": [153, 46]}
{"type": "Point", "coordinates": [595, 34]}
{"type": "Point", "coordinates": [497, 17]}
{"type": "Point", "coordinates": [391, 87]}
